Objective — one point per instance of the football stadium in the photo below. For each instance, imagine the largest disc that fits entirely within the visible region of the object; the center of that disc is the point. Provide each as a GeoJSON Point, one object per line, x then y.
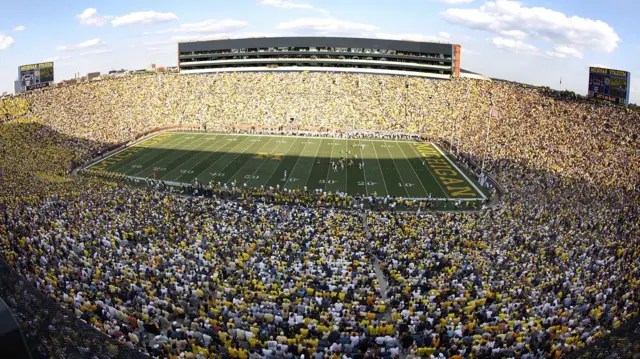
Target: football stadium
{"type": "Point", "coordinates": [319, 207]}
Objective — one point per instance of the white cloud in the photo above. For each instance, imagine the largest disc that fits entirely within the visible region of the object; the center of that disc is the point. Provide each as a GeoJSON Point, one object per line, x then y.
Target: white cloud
{"type": "Point", "coordinates": [5, 41]}
{"type": "Point", "coordinates": [286, 4]}
{"type": "Point", "coordinates": [56, 58]}
{"type": "Point", "coordinates": [514, 33]}
{"type": "Point", "coordinates": [326, 26]}
{"type": "Point", "coordinates": [453, 2]}
{"type": "Point", "coordinates": [143, 18]}
{"type": "Point", "coordinates": [514, 45]}
{"type": "Point", "coordinates": [90, 16]}
{"type": "Point", "coordinates": [91, 43]}
{"type": "Point", "coordinates": [510, 18]}
{"type": "Point", "coordinates": [291, 4]}
{"type": "Point", "coordinates": [97, 42]}
{"type": "Point", "coordinates": [208, 26]}
{"type": "Point", "coordinates": [96, 52]}
{"type": "Point", "coordinates": [158, 42]}
{"type": "Point", "coordinates": [444, 35]}
{"type": "Point", "coordinates": [19, 28]}
{"type": "Point", "coordinates": [564, 51]}
{"type": "Point", "coordinates": [198, 37]}
{"type": "Point", "coordinates": [185, 38]}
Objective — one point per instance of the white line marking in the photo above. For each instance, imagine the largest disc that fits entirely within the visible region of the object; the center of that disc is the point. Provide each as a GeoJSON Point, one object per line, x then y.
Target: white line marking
{"type": "Point", "coordinates": [176, 169]}
{"type": "Point", "coordinates": [414, 171]}
{"type": "Point", "coordinates": [172, 183]}
{"type": "Point", "coordinates": [346, 167]}
{"type": "Point", "coordinates": [296, 164]}
{"type": "Point", "coordinates": [463, 174]}
{"type": "Point", "coordinates": [207, 157]}
{"type": "Point", "coordinates": [222, 170]}
{"type": "Point", "coordinates": [287, 136]}
{"type": "Point", "coordinates": [330, 169]}
{"type": "Point", "coordinates": [364, 170]}
{"type": "Point", "coordinates": [382, 173]}
{"type": "Point", "coordinates": [313, 164]}
{"type": "Point", "coordinates": [276, 167]}
{"type": "Point", "coordinates": [398, 171]}
{"type": "Point", "coordinates": [125, 147]}
{"type": "Point", "coordinates": [241, 167]}
{"type": "Point", "coordinates": [444, 191]}
{"type": "Point", "coordinates": [150, 155]}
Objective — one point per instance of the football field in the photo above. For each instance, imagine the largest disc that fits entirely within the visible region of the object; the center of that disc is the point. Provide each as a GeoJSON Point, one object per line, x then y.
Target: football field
{"type": "Point", "coordinates": [407, 169]}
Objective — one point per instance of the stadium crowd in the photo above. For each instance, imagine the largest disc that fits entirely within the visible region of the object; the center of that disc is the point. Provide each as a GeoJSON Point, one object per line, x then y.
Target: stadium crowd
{"type": "Point", "coordinates": [548, 271]}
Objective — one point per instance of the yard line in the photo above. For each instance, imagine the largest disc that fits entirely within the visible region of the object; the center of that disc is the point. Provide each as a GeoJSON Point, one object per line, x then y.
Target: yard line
{"type": "Point", "coordinates": [313, 163]}
{"type": "Point", "coordinates": [161, 152]}
{"type": "Point", "coordinates": [431, 172]}
{"type": "Point", "coordinates": [296, 164]}
{"type": "Point", "coordinates": [364, 170]}
{"type": "Point", "coordinates": [195, 150]}
{"type": "Point", "coordinates": [227, 153]}
{"type": "Point", "coordinates": [314, 160]}
{"type": "Point", "coordinates": [382, 173]}
{"type": "Point", "coordinates": [459, 170]}
{"type": "Point", "coordinates": [140, 156]}
{"type": "Point", "coordinates": [414, 171]}
{"type": "Point", "coordinates": [123, 148]}
{"type": "Point", "coordinates": [393, 159]}
{"type": "Point", "coordinates": [207, 157]}
{"type": "Point", "coordinates": [330, 169]}
{"type": "Point", "coordinates": [241, 167]}
{"type": "Point", "coordinates": [276, 167]}
{"type": "Point", "coordinates": [346, 167]}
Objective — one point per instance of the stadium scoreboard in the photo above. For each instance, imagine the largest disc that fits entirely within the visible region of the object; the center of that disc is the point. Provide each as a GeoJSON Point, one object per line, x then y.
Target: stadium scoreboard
{"type": "Point", "coordinates": [35, 76]}
{"type": "Point", "coordinates": [609, 85]}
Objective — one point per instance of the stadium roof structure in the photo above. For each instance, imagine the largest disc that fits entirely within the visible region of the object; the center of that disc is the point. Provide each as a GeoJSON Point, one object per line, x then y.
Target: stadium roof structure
{"type": "Point", "coordinates": [328, 54]}
{"type": "Point", "coordinates": [473, 75]}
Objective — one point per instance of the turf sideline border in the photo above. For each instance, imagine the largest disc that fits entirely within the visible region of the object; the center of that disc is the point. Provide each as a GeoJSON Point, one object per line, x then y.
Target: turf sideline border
{"type": "Point", "coordinates": [124, 148]}
{"type": "Point", "coordinates": [459, 170]}
{"type": "Point", "coordinates": [290, 136]}
{"type": "Point", "coordinates": [439, 199]}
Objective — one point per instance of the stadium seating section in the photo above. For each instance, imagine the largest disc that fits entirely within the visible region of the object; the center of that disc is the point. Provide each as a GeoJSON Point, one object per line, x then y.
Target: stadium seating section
{"type": "Point", "coordinates": [550, 270]}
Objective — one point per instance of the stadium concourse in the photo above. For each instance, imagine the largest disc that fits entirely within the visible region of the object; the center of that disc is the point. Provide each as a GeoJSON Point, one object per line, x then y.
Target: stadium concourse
{"type": "Point", "coordinates": [549, 271]}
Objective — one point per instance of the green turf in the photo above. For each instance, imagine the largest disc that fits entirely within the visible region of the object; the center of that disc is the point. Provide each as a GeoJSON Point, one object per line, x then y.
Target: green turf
{"type": "Point", "coordinates": [397, 168]}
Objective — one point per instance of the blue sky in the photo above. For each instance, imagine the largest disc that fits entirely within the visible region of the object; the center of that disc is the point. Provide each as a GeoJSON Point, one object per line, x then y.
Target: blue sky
{"type": "Point", "coordinates": [532, 41]}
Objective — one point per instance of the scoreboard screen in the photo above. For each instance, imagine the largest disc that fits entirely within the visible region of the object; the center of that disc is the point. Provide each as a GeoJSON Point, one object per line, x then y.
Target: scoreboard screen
{"type": "Point", "coordinates": [610, 85]}
{"type": "Point", "coordinates": [35, 76]}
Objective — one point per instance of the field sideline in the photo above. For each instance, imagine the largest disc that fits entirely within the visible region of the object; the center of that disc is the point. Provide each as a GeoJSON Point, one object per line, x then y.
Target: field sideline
{"type": "Point", "coordinates": [405, 169]}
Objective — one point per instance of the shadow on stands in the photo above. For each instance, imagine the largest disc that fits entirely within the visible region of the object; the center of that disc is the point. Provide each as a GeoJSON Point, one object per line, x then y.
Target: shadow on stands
{"type": "Point", "coordinates": [51, 331]}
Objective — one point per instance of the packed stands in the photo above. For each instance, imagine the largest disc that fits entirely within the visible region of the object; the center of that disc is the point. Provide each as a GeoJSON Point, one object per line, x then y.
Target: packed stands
{"type": "Point", "coordinates": [549, 271]}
